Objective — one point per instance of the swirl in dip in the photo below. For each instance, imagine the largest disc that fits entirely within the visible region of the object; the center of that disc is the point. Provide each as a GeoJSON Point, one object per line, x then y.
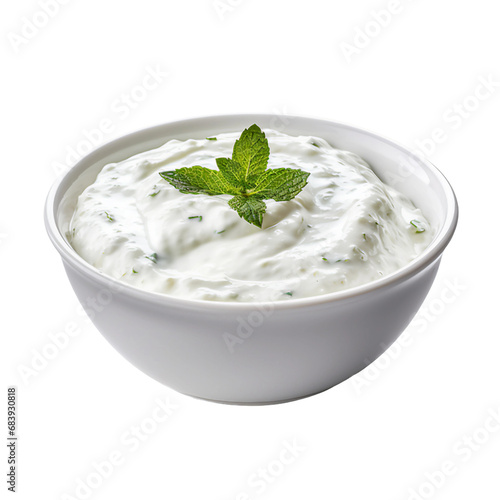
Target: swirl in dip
{"type": "Point", "coordinates": [345, 228]}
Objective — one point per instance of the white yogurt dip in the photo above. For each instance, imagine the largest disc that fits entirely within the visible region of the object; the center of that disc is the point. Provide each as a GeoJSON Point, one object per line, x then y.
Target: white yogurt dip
{"type": "Point", "coordinates": [344, 229]}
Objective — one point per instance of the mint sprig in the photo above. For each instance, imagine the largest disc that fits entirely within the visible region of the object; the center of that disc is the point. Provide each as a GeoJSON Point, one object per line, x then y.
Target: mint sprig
{"type": "Point", "coordinates": [244, 176]}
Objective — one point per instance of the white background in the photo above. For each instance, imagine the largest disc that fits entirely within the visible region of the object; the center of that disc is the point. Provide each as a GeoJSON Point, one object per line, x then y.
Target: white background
{"type": "Point", "coordinates": [379, 435]}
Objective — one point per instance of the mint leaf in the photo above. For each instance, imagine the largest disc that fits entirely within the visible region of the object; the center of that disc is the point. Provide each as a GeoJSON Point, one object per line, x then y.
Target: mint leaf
{"type": "Point", "coordinates": [232, 171]}
{"type": "Point", "coordinates": [251, 151]}
{"type": "Point", "coordinates": [245, 176]}
{"type": "Point", "coordinates": [249, 208]}
{"type": "Point", "coordinates": [199, 180]}
{"type": "Point", "coordinates": [280, 184]}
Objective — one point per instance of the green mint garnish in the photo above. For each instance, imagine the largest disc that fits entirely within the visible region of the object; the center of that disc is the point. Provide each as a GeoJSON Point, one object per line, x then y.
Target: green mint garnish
{"type": "Point", "coordinates": [417, 225]}
{"type": "Point", "coordinates": [211, 138]}
{"type": "Point", "coordinates": [244, 176]}
{"type": "Point", "coordinates": [200, 217]}
{"type": "Point", "coordinates": [153, 257]}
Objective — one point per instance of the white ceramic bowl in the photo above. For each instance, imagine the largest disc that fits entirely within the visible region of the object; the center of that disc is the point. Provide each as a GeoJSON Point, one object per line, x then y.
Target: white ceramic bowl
{"type": "Point", "coordinates": [257, 353]}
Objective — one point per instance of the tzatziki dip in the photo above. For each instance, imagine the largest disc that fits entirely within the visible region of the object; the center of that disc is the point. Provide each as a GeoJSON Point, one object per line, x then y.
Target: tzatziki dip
{"type": "Point", "coordinates": [343, 229]}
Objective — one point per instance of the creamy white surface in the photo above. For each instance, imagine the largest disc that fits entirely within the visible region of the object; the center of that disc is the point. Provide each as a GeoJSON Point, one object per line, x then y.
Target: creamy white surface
{"type": "Point", "coordinates": [344, 229]}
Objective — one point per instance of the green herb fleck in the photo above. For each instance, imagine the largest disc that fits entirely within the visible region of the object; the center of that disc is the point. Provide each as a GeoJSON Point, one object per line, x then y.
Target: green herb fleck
{"type": "Point", "coordinates": [364, 236]}
{"type": "Point", "coordinates": [154, 194]}
{"type": "Point", "coordinates": [220, 232]}
{"type": "Point", "coordinates": [153, 257]}
{"type": "Point", "coordinates": [244, 176]}
{"type": "Point", "coordinates": [314, 144]}
{"type": "Point", "coordinates": [134, 271]}
{"type": "Point", "coordinates": [288, 293]}
{"type": "Point", "coordinates": [417, 225]}
{"type": "Point", "coordinates": [109, 217]}
{"type": "Point", "coordinates": [375, 222]}
{"type": "Point", "coordinates": [324, 258]}
{"type": "Point", "coordinates": [200, 217]}
{"type": "Point", "coordinates": [211, 138]}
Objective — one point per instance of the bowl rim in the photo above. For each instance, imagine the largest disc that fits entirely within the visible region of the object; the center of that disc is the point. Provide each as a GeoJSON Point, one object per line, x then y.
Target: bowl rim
{"type": "Point", "coordinates": [422, 261]}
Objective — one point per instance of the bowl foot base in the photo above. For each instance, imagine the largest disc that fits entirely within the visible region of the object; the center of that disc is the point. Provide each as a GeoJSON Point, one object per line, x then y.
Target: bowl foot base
{"type": "Point", "coordinates": [258, 403]}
